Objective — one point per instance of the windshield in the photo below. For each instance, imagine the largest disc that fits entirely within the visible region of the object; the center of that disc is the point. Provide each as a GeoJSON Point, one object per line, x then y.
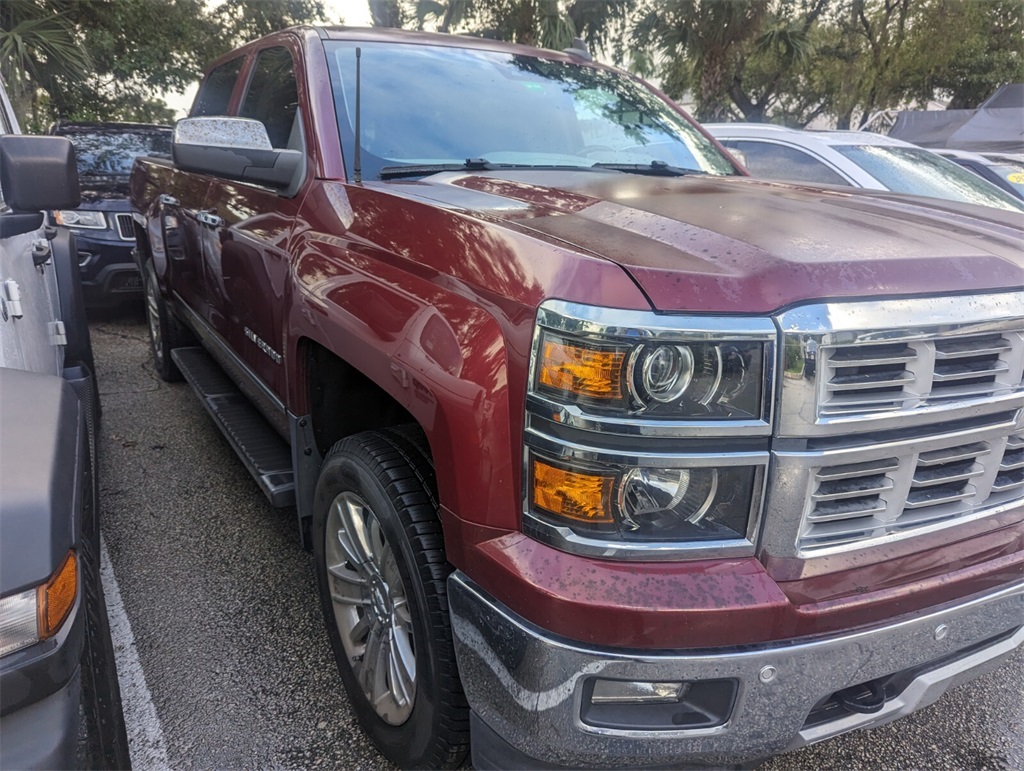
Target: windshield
{"type": "Point", "coordinates": [922, 172]}
{"type": "Point", "coordinates": [110, 153]}
{"type": "Point", "coordinates": [434, 105]}
{"type": "Point", "coordinates": [1014, 175]}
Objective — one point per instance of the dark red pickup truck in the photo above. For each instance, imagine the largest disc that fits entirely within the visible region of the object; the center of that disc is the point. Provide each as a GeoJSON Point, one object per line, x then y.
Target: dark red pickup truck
{"type": "Point", "coordinates": [607, 454]}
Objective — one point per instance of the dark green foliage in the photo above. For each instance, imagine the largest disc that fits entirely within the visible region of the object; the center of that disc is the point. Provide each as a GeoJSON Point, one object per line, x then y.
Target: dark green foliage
{"type": "Point", "coordinates": [111, 59]}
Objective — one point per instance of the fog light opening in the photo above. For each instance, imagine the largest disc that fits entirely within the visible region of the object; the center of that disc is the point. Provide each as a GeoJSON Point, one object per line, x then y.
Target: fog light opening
{"type": "Point", "coordinates": [658, 705]}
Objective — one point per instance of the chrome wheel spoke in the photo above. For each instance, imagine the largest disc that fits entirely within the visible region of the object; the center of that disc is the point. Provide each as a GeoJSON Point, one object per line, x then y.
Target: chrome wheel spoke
{"type": "Point", "coordinates": [343, 546]}
{"type": "Point", "coordinates": [375, 543]}
{"type": "Point", "coordinates": [344, 593]}
{"type": "Point", "coordinates": [353, 534]}
{"type": "Point", "coordinates": [357, 634]}
{"type": "Point", "coordinates": [374, 666]}
{"type": "Point", "coordinates": [402, 666]}
{"type": "Point", "coordinates": [403, 616]}
{"type": "Point", "coordinates": [342, 573]}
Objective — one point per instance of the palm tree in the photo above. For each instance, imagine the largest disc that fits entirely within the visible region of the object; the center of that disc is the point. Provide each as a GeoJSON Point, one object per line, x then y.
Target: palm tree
{"type": "Point", "coordinates": [37, 47]}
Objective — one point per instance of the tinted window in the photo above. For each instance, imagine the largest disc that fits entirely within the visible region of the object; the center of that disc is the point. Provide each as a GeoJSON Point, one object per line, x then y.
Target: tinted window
{"type": "Point", "coordinates": [110, 153]}
{"type": "Point", "coordinates": [217, 87]}
{"type": "Point", "coordinates": [772, 161]}
{"type": "Point", "coordinates": [1011, 175]}
{"type": "Point", "coordinates": [272, 97]}
{"type": "Point", "coordinates": [438, 104]}
{"type": "Point", "coordinates": [922, 172]}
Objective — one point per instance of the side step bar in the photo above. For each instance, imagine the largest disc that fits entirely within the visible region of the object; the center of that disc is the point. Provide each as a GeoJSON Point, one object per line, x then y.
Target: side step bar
{"type": "Point", "coordinates": [265, 454]}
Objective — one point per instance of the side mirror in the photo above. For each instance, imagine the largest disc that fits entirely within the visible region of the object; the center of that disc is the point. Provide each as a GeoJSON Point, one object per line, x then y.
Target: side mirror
{"type": "Point", "coordinates": [35, 173]}
{"type": "Point", "coordinates": [237, 148]}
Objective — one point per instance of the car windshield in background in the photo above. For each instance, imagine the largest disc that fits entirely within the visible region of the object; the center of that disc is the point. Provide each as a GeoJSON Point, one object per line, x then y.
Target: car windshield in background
{"type": "Point", "coordinates": [110, 154]}
{"type": "Point", "coordinates": [505, 109]}
{"type": "Point", "coordinates": [1014, 175]}
{"type": "Point", "coordinates": [922, 172]}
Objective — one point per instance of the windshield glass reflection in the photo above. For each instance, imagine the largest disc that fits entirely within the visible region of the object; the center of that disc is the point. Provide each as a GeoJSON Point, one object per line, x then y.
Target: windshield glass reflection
{"type": "Point", "coordinates": [432, 105]}
{"type": "Point", "coordinates": [922, 172]}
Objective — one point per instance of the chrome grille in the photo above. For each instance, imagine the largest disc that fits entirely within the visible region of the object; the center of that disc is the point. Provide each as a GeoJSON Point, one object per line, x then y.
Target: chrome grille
{"type": "Point", "coordinates": [125, 226]}
{"type": "Point", "coordinates": [904, 376]}
{"type": "Point", "coordinates": [851, 368]}
{"type": "Point", "coordinates": [895, 418]}
{"type": "Point", "coordinates": [853, 502]}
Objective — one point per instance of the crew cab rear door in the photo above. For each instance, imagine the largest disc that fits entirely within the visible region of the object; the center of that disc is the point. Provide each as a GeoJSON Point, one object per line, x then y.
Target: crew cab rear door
{"type": "Point", "coordinates": [247, 261]}
{"type": "Point", "coordinates": [185, 218]}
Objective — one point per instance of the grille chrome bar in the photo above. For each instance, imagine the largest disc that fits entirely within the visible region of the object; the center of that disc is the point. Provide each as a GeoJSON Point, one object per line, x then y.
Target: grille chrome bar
{"type": "Point", "coordinates": [863, 380]}
{"type": "Point", "coordinates": [955, 349]}
{"type": "Point", "coordinates": [952, 454]}
{"type": "Point", "coordinates": [125, 227]}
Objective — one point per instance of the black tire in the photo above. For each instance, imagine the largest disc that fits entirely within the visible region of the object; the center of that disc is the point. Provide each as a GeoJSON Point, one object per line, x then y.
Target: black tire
{"type": "Point", "coordinates": [391, 473]}
{"type": "Point", "coordinates": [165, 333]}
{"type": "Point", "coordinates": [105, 744]}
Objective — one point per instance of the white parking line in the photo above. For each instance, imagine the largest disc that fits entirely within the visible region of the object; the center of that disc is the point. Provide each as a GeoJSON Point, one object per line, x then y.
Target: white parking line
{"type": "Point", "coordinates": [145, 734]}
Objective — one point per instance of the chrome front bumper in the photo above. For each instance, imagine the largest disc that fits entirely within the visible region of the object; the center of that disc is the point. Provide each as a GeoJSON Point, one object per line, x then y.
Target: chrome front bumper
{"type": "Point", "coordinates": [528, 688]}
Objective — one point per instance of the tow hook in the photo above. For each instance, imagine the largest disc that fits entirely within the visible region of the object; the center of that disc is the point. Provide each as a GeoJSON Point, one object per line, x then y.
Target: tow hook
{"type": "Point", "coordinates": [865, 698]}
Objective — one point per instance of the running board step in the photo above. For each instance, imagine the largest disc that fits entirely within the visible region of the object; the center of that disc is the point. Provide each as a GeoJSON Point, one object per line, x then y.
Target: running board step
{"type": "Point", "coordinates": [265, 454]}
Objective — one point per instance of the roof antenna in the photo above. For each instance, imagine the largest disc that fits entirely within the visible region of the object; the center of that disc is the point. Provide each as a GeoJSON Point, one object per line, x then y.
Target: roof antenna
{"type": "Point", "coordinates": [357, 163]}
{"type": "Point", "coordinates": [579, 50]}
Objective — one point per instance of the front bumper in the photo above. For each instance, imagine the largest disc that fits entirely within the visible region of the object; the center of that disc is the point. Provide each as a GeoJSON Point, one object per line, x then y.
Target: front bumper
{"type": "Point", "coordinates": [109, 274]}
{"type": "Point", "coordinates": [528, 690]}
{"type": "Point", "coordinates": [40, 698]}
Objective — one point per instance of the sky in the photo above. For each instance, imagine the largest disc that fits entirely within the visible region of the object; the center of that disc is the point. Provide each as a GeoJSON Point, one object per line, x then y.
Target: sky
{"type": "Point", "coordinates": [354, 13]}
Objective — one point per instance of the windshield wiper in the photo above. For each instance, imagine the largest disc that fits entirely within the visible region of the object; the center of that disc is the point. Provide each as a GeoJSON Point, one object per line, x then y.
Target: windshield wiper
{"type": "Point", "coordinates": [471, 164]}
{"type": "Point", "coordinates": [653, 169]}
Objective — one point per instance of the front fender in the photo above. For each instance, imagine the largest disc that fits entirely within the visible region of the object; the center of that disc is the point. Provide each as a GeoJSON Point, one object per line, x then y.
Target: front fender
{"type": "Point", "coordinates": [440, 356]}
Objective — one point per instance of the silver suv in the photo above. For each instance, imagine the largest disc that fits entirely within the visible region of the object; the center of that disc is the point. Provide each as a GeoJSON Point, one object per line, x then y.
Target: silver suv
{"type": "Point", "coordinates": [55, 654]}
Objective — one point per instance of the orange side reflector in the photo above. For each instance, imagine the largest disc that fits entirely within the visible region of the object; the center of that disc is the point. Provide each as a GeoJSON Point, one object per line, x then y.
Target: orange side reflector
{"type": "Point", "coordinates": [583, 497]}
{"type": "Point", "coordinates": [583, 371]}
{"type": "Point", "coordinates": [57, 597]}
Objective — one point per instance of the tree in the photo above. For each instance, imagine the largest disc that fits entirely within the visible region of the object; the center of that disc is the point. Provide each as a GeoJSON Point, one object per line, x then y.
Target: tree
{"type": "Point", "coordinates": [37, 46]}
{"type": "Point", "coordinates": [700, 43]}
{"type": "Point", "coordinates": [103, 60]}
{"type": "Point", "coordinates": [966, 50]}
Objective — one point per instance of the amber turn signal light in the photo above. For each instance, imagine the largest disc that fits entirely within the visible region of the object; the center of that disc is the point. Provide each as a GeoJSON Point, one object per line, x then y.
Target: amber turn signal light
{"type": "Point", "coordinates": [593, 373]}
{"type": "Point", "coordinates": [583, 497]}
{"type": "Point", "coordinates": [57, 597]}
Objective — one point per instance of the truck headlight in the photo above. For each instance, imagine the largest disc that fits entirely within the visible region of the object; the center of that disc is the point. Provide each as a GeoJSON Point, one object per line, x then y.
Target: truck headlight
{"type": "Point", "coordinates": [39, 613]}
{"type": "Point", "coordinates": [78, 218]}
{"type": "Point", "coordinates": [647, 434]}
{"type": "Point", "coordinates": [681, 378]}
{"type": "Point", "coordinates": [619, 503]}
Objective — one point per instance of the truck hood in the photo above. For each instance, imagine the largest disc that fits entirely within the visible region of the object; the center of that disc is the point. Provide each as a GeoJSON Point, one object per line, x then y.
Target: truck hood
{"type": "Point", "coordinates": [735, 245]}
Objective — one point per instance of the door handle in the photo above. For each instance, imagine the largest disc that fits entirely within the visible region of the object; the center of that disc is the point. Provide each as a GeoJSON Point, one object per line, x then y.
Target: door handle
{"type": "Point", "coordinates": [168, 200]}
{"type": "Point", "coordinates": [207, 217]}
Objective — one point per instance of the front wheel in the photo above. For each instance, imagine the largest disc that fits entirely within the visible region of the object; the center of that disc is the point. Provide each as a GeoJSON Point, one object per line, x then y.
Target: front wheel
{"type": "Point", "coordinates": [382, 572]}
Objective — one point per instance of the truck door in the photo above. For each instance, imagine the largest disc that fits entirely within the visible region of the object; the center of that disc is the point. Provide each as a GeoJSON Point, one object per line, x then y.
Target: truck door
{"type": "Point", "coordinates": [185, 220]}
{"type": "Point", "coordinates": [247, 262]}
{"type": "Point", "coordinates": [182, 231]}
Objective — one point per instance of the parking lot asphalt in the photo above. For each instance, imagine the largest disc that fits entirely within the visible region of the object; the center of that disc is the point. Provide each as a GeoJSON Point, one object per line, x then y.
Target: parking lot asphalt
{"type": "Point", "coordinates": [222, 655]}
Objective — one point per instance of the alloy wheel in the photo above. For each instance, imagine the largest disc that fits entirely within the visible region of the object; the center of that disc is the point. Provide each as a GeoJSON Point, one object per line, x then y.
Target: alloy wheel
{"type": "Point", "coordinates": [371, 607]}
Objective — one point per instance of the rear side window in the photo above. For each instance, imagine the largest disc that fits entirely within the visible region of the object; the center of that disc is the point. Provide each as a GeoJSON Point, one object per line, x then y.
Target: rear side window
{"type": "Point", "coordinates": [772, 161]}
{"type": "Point", "coordinates": [273, 98]}
{"type": "Point", "coordinates": [215, 95]}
